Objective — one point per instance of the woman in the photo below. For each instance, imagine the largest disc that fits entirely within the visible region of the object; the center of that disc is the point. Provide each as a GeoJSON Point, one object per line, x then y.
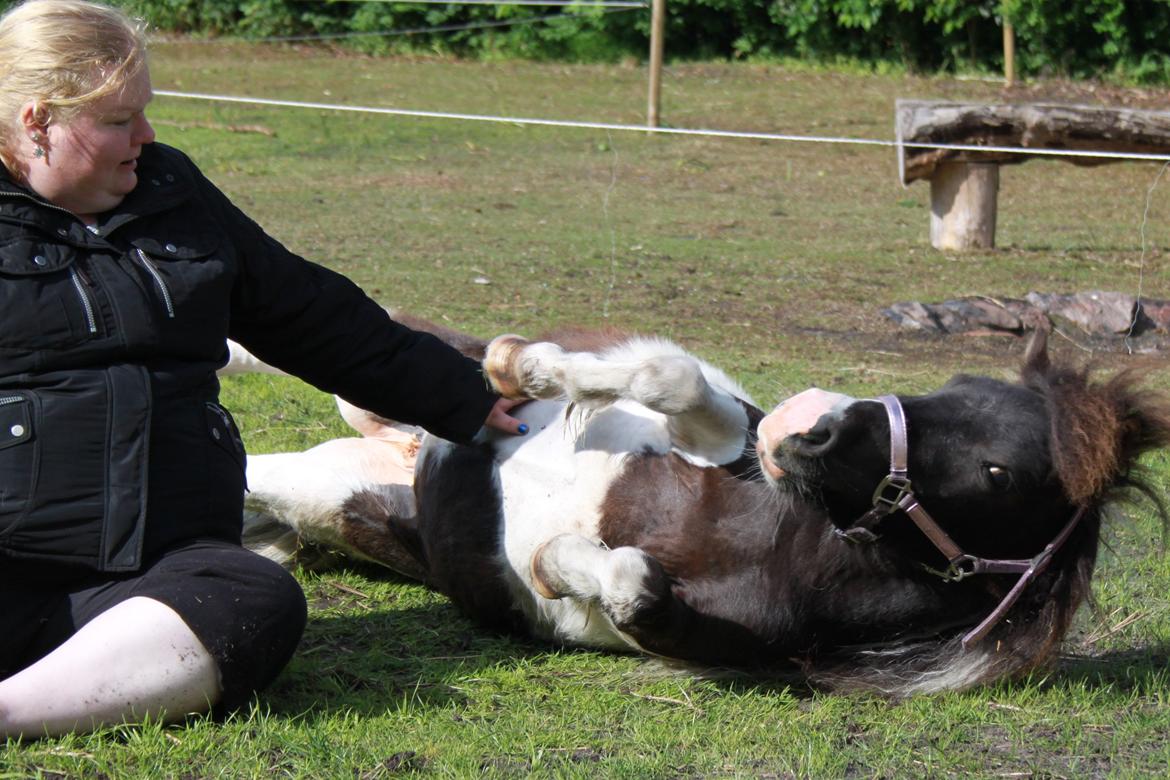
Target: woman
{"type": "Point", "coordinates": [122, 272]}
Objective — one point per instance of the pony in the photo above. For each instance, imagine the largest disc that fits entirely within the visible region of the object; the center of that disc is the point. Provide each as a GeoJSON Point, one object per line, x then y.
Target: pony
{"type": "Point", "coordinates": [899, 544]}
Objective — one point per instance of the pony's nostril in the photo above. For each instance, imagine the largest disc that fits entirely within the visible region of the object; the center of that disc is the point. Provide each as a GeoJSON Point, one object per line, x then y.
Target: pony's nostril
{"type": "Point", "coordinates": [817, 437]}
{"type": "Point", "coordinates": [811, 442]}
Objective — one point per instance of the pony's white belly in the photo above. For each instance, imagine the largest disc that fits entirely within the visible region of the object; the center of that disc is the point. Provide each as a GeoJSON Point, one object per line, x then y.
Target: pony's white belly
{"type": "Point", "coordinates": [553, 481]}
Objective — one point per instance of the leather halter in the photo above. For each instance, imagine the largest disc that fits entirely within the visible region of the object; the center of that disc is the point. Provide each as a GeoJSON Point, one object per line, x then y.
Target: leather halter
{"type": "Point", "coordinates": [895, 493]}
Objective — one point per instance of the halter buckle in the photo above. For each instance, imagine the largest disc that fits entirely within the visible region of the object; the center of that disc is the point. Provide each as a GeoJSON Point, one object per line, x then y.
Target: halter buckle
{"type": "Point", "coordinates": [961, 568]}
{"type": "Point", "coordinates": [890, 492]}
{"type": "Point", "coordinates": [856, 535]}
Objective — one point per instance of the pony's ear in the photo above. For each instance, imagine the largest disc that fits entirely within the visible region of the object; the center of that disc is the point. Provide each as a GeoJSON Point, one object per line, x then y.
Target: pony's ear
{"type": "Point", "coordinates": [1036, 362]}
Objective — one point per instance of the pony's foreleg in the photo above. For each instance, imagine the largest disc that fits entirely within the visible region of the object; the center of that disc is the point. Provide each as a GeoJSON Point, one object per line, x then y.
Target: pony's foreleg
{"type": "Point", "coordinates": [706, 423]}
{"type": "Point", "coordinates": [624, 582]}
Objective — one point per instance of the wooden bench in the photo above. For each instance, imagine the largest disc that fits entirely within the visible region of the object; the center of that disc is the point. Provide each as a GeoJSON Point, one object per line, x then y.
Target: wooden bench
{"type": "Point", "coordinates": [964, 184]}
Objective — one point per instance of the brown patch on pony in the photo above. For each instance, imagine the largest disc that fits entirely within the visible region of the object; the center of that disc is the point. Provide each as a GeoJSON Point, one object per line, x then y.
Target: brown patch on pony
{"type": "Point", "coordinates": [380, 521]}
{"type": "Point", "coordinates": [569, 338]}
{"type": "Point", "coordinates": [572, 339]}
{"type": "Point", "coordinates": [470, 346]}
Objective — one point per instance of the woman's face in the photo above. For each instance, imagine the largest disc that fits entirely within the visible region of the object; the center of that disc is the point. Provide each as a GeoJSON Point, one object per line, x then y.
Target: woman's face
{"type": "Point", "coordinates": [89, 162]}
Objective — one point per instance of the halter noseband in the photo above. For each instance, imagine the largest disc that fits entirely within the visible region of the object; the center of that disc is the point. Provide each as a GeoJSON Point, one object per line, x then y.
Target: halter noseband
{"type": "Point", "coordinates": [895, 493]}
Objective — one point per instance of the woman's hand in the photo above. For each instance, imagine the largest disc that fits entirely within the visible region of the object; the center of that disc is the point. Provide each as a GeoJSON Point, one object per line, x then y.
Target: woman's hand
{"type": "Point", "coordinates": [498, 418]}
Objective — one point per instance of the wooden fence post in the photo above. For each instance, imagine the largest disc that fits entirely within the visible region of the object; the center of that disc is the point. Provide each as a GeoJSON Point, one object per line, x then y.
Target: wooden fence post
{"type": "Point", "coordinates": [657, 29]}
{"type": "Point", "coordinates": [1009, 53]}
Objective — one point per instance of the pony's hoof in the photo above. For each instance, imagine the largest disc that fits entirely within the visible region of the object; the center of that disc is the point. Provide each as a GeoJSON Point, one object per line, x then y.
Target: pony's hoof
{"type": "Point", "coordinates": [540, 577]}
{"type": "Point", "coordinates": [501, 365]}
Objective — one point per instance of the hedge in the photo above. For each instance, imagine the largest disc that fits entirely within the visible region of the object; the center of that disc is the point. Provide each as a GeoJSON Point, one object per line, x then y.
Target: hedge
{"type": "Point", "coordinates": [1123, 40]}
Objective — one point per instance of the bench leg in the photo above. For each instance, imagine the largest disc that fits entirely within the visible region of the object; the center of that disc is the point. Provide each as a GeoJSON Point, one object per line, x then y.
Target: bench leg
{"type": "Point", "coordinates": [962, 205]}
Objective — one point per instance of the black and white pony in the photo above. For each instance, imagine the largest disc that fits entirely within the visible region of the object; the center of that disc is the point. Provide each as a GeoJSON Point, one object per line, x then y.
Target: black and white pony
{"type": "Point", "coordinates": [903, 544]}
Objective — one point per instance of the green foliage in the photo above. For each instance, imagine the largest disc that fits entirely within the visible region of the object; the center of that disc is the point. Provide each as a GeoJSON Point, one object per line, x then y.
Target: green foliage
{"type": "Point", "coordinates": [213, 17]}
{"type": "Point", "coordinates": [1119, 39]}
{"type": "Point", "coordinates": [1098, 37]}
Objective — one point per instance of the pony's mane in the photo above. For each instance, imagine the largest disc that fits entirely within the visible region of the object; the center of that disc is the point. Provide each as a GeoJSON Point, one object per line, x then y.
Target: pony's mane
{"type": "Point", "coordinates": [1099, 432]}
{"type": "Point", "coordinates": [1100, 429]}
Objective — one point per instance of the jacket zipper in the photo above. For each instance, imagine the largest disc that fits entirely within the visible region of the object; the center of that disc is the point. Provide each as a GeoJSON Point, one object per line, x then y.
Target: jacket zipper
{"type": "Point", "coordinates": [11, 399]}
{"type": "Point", "coordinates": [79, 284]}
{"type": "Point", "coordinates": [25, 196]}
{"type": "Point", "coordinates": [162, 285]}
{"type": "Point", "coordinates": [37, 201]}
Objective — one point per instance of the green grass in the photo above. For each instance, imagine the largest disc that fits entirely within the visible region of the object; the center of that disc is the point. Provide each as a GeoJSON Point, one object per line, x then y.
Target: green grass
{"type": "Point", "coordinates": [773, 260]}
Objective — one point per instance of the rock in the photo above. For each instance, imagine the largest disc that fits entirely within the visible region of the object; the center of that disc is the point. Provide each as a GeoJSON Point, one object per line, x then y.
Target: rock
{"type": "Point", "coordinates": [1097, 313]}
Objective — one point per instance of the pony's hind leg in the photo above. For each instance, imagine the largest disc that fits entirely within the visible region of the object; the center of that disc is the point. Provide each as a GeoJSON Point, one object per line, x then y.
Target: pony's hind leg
{"type": "Point", "coordinates": [623, 582]}
{"type": "Point", "coordinates": [667, 383]}
{"type": "Point", "coordinates": [241, 361]}
{"type": "Point", "coordinates": [350, 495]}
{"type": "Point", "coordinates": [707, 423]}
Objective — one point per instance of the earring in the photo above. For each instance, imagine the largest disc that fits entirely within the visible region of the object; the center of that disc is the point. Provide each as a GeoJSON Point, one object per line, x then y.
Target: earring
{"type": "Point", "coordinates": [38, 139]}
{"type": "Point", "coordinates": [39, 152]}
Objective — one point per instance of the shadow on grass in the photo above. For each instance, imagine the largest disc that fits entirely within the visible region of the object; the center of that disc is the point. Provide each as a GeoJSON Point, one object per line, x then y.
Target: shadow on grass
{"type": "Point", "coordinates": [1141, 671]}
{"type": "Point", "coordinates": [389, 658]}
{"type": "Point", "coordinates": [1128, 669]}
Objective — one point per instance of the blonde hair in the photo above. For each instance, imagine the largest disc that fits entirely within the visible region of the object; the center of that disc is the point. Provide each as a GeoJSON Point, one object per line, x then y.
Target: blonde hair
{"type": "Point", "coordinates": [64, 55]}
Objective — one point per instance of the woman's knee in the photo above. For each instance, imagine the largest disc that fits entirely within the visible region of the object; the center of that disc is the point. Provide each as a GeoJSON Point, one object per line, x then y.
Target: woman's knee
{"type": "Point", "coordinates": [279, 610]}
{"type": "Point", "coordinates": [248, 611]}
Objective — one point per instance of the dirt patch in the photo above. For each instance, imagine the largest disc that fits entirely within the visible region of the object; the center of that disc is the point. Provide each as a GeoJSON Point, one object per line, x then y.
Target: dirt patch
{"type": "Point", "coordinates": [1087, 93]}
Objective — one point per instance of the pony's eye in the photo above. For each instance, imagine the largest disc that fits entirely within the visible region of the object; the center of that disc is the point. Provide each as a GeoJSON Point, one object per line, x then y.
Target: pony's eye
{"type": "Point", "coordinates": [999, 477]}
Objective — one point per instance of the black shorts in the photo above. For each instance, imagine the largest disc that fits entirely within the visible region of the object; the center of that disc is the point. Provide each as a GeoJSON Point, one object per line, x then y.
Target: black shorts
{"type": "Point", "coordinates": [246, 610]}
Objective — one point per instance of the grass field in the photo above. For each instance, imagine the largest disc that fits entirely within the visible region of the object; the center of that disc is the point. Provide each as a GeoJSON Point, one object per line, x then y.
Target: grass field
{"type": "Point", "coordinates": [771, 259]}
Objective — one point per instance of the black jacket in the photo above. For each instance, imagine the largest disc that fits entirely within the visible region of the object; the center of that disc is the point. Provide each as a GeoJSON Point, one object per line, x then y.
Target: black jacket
{"type": "Point", "coordinates": [112, 442]}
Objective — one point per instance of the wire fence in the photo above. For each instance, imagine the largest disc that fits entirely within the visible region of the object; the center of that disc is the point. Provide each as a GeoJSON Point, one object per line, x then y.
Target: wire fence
{"type": "Point", "coordinates": [897, 144]}
{"type": "Point", "coordinates": [607, 6]}
{"type": "Point", "coordinates": [708, 132]}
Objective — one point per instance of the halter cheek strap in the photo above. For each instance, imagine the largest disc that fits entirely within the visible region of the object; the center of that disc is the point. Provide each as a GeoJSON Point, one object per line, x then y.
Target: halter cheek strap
{"type": "Point", "coordinates": [895, 493]}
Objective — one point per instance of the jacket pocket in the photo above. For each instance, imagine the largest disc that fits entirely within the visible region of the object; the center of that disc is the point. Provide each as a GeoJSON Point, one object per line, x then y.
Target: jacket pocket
{"type": "Point", "coordinates": [187, 277]}
{"type": "Point", "coordinates": [225, 473]}
{"type": "Point", "coordinates": [75, 480]}
{"type": "Point", "coordinates": [47, 299]}
{"type": "Point", "coordinates": [224, 433]}
{"type": "Point", "coordinates": [177, 244]}
{"type": "Point", "coordinates": [18, 459]}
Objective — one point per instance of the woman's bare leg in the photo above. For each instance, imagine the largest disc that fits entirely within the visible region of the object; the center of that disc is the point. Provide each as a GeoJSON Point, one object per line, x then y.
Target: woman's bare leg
{"type": "Point", "coordinates": [136, 660]}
